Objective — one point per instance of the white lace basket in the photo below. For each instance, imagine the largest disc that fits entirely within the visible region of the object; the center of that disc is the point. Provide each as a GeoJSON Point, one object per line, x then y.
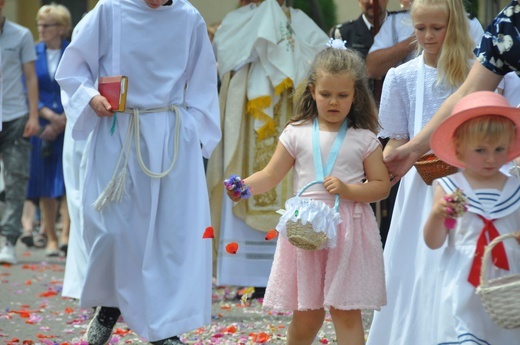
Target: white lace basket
{"type": "Point", "coordinates": [310, 224]}
{"type": "Point", "coordinates": [500, 296]}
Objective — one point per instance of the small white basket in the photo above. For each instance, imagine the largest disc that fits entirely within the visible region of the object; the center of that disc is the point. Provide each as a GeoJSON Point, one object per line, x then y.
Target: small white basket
{"type": "Point", "coordinates": [501, 296]}
{"type": "Point", "coordinates": [310, 224]}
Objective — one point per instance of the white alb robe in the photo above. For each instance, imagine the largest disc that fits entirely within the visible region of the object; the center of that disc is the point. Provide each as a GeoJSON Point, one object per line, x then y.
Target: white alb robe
{"type": "Point", "coordinates": [146, 253]}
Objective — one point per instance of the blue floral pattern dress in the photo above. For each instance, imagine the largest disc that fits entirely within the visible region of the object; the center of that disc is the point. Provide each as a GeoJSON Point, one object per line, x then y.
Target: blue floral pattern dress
{"type": "Point", "coordinates": [499, 49]}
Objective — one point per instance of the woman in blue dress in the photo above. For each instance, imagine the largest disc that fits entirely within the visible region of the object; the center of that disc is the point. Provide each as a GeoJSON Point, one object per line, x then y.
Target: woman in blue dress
{"type": "Point", "coordinates": [46, 182]}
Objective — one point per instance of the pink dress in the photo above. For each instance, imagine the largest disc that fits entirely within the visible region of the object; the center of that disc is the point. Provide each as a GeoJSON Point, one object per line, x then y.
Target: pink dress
{"type": "Point", "coordinates": [351, 275]}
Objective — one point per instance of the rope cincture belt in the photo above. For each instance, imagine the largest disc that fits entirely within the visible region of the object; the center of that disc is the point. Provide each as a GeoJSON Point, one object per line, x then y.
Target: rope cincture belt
{"type": "Point", "coordinates": [116, 186]}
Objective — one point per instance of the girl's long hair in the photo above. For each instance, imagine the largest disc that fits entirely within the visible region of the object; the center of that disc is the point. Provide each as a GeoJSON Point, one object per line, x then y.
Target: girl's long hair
{"type": "Point", "coordinates": [363, 113]}
{"type": "Point", "coordinates": [456, 55]}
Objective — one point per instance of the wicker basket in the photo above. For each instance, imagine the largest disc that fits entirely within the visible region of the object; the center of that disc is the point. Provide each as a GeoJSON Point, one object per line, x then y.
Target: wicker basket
{"type": "Point", "coordinates": [430, 167]}
{"type": "Point", "coordinates": [500, 296]}
{"type": "Point", "coordinates": [303, 235]}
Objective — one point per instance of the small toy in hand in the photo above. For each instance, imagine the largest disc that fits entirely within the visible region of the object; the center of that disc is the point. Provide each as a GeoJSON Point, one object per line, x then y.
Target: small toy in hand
{"type": "Point", "coordinates": [460, 207]}
{"type": "Point", "coordinates": [235, 184]}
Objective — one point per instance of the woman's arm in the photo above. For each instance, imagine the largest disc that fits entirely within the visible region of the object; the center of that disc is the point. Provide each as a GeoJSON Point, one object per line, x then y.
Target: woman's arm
{"type": "Point", "coordinates": [392, 144]}
{"type": "Point", "coordinates": [402, 159]}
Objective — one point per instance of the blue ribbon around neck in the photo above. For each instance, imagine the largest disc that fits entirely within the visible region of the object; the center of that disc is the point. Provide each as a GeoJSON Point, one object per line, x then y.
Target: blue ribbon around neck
{"type": "Point", "coordinates": [321, 172]}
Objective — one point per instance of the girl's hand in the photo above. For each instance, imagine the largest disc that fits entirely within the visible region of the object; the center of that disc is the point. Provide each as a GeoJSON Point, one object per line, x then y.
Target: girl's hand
{"type": "Point", "coordinates": [444, 207]}
{"type": "Point", "coordinates": [233, 195]}
{"type": "Point", "coordinates": [101, 106]}
{"type": "Point", "coordinates": [334, 185]}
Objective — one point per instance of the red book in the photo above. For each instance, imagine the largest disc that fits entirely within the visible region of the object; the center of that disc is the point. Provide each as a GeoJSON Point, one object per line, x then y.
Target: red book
{"type": "Point", "coordinates": [114, 90]}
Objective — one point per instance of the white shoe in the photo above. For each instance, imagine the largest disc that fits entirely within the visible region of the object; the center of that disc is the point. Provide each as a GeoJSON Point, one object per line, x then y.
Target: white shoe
{"type": "Point", "coordinates": [7, 254]}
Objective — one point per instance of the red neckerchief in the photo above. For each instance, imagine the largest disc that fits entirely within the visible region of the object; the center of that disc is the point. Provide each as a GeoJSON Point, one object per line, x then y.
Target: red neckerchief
{"type": "Point", "coordinates": [498, 253]}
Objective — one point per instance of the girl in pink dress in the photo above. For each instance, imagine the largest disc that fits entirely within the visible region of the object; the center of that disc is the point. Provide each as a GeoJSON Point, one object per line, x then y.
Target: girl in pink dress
{"type": "Point", "coordinates": [348, 276]}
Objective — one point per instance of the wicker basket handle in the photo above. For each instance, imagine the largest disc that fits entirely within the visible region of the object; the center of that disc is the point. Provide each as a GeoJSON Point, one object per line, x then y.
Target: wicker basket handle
{"type": "Point", "coordinates": [487, 253]}
{"type": "Point", "coordinates": [336, 203]}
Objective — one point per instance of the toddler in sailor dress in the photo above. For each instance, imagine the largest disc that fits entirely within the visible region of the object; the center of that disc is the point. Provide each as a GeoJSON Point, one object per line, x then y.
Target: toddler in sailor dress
{"type": "Point", "coordinates": [479, 137]}
{"type": "Point", "coordinates": [335, 106]}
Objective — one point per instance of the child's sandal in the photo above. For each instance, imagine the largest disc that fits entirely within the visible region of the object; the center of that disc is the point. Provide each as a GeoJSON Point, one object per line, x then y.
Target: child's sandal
{"type": "Point", "coordinates": [40, 241]}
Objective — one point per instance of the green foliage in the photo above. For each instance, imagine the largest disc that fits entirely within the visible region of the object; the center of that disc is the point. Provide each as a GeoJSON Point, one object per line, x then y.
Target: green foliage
{"type": "Point", "coordinates": [471, 7]}
{"type": "Point", "coordinates": [327, 12]}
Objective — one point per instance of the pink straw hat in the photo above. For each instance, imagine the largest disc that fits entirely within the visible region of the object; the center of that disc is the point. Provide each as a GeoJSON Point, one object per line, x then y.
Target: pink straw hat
{"type": "Point", "coordinates": [473, 105]}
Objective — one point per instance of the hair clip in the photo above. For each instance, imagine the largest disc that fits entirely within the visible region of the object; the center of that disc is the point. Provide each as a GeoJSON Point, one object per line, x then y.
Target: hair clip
{"type": "Point", "coordinates": [336, 43]}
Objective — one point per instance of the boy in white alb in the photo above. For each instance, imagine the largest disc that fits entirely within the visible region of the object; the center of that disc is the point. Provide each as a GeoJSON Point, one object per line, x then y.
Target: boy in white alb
{"type": "Point", "coordinates": [145, 248]}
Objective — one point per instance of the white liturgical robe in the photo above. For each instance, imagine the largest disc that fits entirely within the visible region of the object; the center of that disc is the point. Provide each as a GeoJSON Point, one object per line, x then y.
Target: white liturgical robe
{"type": "Point", "coordinates": [146, 252]}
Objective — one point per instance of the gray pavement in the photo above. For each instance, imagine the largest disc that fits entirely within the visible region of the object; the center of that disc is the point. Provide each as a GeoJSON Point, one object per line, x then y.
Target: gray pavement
{"type": "Point", "coordinates": [32, 311]}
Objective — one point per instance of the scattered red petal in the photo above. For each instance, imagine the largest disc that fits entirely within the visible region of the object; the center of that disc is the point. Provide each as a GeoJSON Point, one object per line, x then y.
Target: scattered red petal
{"type": "Point", "coordinates": [28, 342]}
{"type": "Point", "coordinates": [209, 232]}
{"type": "Point", "coordinates": [324, 341]}
{"type": "Point", "coordinates": [122, 332]}
{"type": "Point", "coordinates": [23, 313]}
{"type": "Point", "coordinates": [232, 248]}
{"type": "Point", "coordinates": [260, 337]}
{"type": "Point", "coordinates": [49, 293]}
{"type": "Point", "coordinates": [271, 234]}
{"type": "Point", "coordinates": [28, 282]}
{"type": "Point", "coordinates": [230, 329]}
{"type": "Point", "coordinates": [69, 310]}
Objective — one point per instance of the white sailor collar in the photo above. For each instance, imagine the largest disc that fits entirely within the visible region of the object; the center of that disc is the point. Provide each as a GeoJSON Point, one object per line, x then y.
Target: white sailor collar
{"type": "Point", "coordinates": [507, 203]}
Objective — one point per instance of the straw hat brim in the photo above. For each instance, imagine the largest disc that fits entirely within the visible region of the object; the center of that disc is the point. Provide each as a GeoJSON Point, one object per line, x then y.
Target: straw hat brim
{"type": "Point", "coordinates": [471, 106]}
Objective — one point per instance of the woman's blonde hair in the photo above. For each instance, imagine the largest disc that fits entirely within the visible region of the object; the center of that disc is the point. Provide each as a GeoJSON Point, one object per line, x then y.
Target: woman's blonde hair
{"type": "Point", "coordinates": [363, 113]}
{"type": "Point", "coordinates": [454, 60]}
{"type": "Point", "coordinates": [58, 13]}
{"type": "Point", "coordinates": [491, 129]}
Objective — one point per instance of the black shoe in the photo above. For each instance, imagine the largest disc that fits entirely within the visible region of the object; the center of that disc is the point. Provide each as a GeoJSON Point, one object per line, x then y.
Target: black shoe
{"type": "Point", "coordinates": [27, 239]}
{"type": "Point", "coordinates": [100, 329]}
{"type": "Point", "coordinates": [64, 248]}
{"type": "Point", "coordinates": [259, 293]}
{"type": "Point", "coordinates": [40, 241]}
{"type": "Point", "coordinates": [170, 341]}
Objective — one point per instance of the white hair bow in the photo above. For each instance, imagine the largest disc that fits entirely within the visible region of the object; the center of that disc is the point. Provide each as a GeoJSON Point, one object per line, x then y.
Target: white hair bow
{"type": "Point", "coordinates": [337, 44]}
